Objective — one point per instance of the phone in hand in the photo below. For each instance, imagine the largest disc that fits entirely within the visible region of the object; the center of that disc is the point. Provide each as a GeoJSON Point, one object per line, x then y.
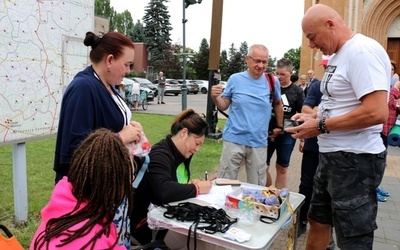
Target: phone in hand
{"type": "Point", "coordinates": [291, 123]}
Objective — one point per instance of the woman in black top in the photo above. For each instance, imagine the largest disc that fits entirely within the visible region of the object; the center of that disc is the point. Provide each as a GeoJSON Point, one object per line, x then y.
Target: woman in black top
{"type": "Point", "coordinates": [168, 176]}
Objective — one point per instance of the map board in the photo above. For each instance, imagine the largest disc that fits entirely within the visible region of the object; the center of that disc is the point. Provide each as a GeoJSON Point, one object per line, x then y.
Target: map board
{"type": "Point", "coordinates": [41, 49]}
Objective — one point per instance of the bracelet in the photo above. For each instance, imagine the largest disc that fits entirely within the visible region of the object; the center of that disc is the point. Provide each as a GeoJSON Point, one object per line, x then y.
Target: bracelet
{"type": "Point", "coordinates": [322, 126]}
{"type": "Point", "coordinates": [280, 127]}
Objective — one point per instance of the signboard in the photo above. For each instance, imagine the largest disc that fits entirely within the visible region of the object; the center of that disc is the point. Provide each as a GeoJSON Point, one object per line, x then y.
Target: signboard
{"type": "Point", "coordinates": [41, 51]}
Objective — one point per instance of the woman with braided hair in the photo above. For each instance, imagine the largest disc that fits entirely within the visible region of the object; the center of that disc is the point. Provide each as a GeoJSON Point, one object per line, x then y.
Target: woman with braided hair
{"type": "Point", "coordinates": [82, 206]}
{"type": "Point", "coordinates": [91, 102]}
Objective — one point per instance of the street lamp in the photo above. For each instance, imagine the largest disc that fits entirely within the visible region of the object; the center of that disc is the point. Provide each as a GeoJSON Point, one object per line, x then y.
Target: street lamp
{"type": "Point", "coordinates": [186, 3]}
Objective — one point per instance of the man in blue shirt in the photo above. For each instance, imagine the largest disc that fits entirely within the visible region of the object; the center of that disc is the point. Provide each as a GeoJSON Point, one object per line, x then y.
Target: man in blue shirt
{"type": "Point", "coordinates": [247, 95]}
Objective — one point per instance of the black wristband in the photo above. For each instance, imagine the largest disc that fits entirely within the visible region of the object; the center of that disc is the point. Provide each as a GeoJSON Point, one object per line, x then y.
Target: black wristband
{"type": "Point", "coordinates": [279, 127]}
{"type": "Point", "coordinates": [322, 126]}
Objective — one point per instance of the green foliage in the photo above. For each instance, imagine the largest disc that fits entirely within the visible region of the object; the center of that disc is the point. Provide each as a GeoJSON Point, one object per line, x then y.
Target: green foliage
{"type": "Point", "coordinates": [124, 22]}
{"type": "Point", "coordinates": [294, 56]}
{"type": "Point", "coordinates": [224, 65]}
{"type": "Point", "coordinates": [137, 34]}
{"type": "Point", "coordinates": [271, 64]}
{"type": "Point", "coordinates": [173, 62]}
{"type": "Point", "coordinates": [157, 33]}
{"type": "Point", "coordinates": [200, 61]}
{"type": "Point", "coordinates": [243, 49]}
{"type": "Point", "coordinates": [40, 174]}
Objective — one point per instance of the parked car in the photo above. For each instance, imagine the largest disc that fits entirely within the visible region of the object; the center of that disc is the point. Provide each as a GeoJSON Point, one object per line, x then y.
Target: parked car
{"type": "Point", "coordinates": [172, 86]}
{"type": "Point", "coordinates": [147, 84]}
{"type": "Point", "coordinates": [203, 85]}
{"type": "Point", "coordinates": [128, 87]}
{"type": "Point", "coordinates": [191, 86]}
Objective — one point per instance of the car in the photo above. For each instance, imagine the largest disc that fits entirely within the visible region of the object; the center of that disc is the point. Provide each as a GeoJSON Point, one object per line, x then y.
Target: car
{"type": "Point", "coordinates": [147, 84]}
{"type": "Point", "coordinates": [128, 86]}
{"type": "Point", "coordinates": [172, 86]}
{"type": "Point", "coordinates": [191, 86]}
{"type": "Point", "coordinates": [203, 85]}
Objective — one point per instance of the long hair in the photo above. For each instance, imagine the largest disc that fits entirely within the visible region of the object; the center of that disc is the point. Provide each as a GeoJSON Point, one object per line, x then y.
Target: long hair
{"type": "Point", "coordinates": [190, 120]}
{"type": "Point", "coordinates": [101, 175]}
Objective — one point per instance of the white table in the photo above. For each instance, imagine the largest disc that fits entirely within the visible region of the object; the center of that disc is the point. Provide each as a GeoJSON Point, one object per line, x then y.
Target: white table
{"type": "Point", "coordinates": [262, 234]}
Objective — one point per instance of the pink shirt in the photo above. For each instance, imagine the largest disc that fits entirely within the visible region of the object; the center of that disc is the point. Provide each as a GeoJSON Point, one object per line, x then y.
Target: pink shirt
{"type": "Point", "coordinates": [61, 202]}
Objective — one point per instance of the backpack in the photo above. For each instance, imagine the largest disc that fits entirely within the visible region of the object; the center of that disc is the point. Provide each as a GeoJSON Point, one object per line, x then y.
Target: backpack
{"type": "Point", "coordinates": [141, 164]}
{"type": "Point", "coordinates": [271, 84]}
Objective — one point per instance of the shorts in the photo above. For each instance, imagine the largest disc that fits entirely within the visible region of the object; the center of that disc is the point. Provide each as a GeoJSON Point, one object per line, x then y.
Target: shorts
{"type": "Point", "coordinates": [283, 144]}
{"type": "Point", "coordinates": [344, 194]}
{"type": "Point", "coordinates": [232, 157]}
{"type": "Point", "coordinates": [135, 98]}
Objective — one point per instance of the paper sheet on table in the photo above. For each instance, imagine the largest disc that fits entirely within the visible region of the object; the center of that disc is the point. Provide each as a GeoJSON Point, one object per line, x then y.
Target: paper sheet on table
{"type": "Point", "coordinates": [217, 195]}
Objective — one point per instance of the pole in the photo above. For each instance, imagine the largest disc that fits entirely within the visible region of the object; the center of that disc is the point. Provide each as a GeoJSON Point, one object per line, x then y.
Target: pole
{"type": "Point", "coordinates": [213, 65]}
{"type": "Point", "coordinates": [184, 88]}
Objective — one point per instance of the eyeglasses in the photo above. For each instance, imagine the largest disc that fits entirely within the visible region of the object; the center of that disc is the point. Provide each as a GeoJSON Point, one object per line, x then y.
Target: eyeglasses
{"type": "Point", "coordinates": [258, 61]}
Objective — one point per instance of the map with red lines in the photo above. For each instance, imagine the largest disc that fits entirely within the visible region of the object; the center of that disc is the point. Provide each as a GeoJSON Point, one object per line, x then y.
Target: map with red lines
{"type": "Point", "coordinates": [41, 49]}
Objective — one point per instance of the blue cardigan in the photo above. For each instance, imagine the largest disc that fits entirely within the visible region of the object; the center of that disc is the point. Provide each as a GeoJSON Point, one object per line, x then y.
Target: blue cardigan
{"type": "Point", "coordinates": [86, 106]}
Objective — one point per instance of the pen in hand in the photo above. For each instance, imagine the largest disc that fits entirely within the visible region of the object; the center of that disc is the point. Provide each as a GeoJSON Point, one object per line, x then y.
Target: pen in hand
{"type": "Point", "coordinates": [206, 176]}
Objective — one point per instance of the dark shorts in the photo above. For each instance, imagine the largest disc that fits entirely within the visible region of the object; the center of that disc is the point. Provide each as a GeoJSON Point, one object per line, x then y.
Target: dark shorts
{"type": "Point", "coordinates": [344, 194]}
{"type": "Point", "coordinates": [283, 144]}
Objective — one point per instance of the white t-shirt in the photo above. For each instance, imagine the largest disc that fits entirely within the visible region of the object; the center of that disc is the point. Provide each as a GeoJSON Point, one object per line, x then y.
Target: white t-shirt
{"type": "Point", "coordinates": [135, 88]}
{"type": "Point", "coordinates": [360, 67]}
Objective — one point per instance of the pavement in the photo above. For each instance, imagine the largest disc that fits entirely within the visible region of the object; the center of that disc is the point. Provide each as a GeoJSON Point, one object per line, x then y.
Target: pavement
{"type": "Point", "coordinates": [387, 236]}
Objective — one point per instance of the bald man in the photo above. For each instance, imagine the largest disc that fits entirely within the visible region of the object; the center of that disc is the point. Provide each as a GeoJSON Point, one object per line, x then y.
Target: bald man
{"type": "Point", "coordinates": [348, 125]}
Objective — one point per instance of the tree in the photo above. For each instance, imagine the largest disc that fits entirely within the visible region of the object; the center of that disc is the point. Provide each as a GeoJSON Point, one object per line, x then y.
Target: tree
{"type": "Point", "coordinates": [102, 8]}
{"type": "Point", "coordinates": [137, 34]}
{"type": "Point", "coordinates": [124, 23]}
{"type": "Point", "coordinates": [223, 65]}
{"type": "Point", "coordinates": [294, 56]}
{"type": "Point", "coordinates": [243, 49]}
{"type": "Point", "coordinates": [173, 62]}
{"type": "Point", "coordinates": [200, 60]}
{"type": "Point", "coordinates": [235, 61]}
{"type": "Point", "coordinates": [271, 64]}
{"type": "Point", "coordinates": [157, 33]}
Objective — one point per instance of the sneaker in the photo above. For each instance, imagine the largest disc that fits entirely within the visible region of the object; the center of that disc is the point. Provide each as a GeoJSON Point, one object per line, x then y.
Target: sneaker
{"type": "Point", "coordinates": [380, 197]}
{"type": "Point", "coordinates": [162, 102]}
{"type": "Point", "coordinates": [158, 102]}
{"type": "Point", "coordinates": [382, 192]}
{"type": "Point", "coordinates": [302, 228]}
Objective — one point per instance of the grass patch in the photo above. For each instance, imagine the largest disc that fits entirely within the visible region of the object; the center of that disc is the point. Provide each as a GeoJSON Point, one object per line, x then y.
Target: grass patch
{"type": "Point", "coordinates": [40, 174]}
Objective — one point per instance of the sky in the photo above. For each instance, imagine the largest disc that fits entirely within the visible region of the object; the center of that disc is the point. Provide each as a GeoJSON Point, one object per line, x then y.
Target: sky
{"type": "Point", "coordinates": [274, 23]}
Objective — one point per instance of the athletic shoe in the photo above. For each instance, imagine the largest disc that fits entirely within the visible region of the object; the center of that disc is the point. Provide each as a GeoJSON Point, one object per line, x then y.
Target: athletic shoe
{"type": "Point", "coordinates": [381, 198]}
{"type": "Point", "coordinates": [382, 192]}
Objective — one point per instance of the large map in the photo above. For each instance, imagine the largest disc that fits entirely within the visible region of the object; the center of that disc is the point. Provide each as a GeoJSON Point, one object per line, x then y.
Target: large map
{"type": "Point", "coordinates": [41, 49]}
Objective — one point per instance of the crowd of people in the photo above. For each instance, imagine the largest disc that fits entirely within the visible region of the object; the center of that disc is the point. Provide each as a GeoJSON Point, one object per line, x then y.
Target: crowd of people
{"type": "Point", "coordinates": [340, 133]}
